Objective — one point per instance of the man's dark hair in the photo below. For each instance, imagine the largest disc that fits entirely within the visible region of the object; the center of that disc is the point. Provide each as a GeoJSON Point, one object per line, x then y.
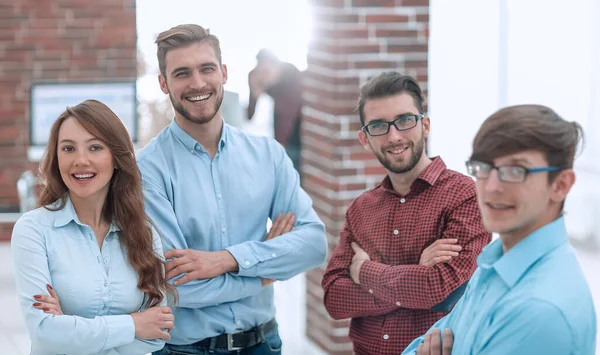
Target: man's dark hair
{"type": "Point", "coordinates": [389, 84]}
{"type": "Point", "coordinates": [520, 128]}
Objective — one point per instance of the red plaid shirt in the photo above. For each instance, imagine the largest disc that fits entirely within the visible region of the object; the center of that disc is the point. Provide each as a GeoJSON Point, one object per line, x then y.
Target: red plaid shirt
{"type": "Point", "coordinates": [392, 305]}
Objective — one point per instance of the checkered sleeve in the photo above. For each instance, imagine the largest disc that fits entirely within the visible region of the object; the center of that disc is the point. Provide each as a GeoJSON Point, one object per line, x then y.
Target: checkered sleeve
{"type": "Point", "coordinates": [423, 287]}
{"type": "Point", "coordinates": [343, 298]}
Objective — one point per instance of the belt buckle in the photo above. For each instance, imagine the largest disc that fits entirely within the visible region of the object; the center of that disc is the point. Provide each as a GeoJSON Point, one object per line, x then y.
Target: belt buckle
{"type": "Point", "coordinates": [230, 346]}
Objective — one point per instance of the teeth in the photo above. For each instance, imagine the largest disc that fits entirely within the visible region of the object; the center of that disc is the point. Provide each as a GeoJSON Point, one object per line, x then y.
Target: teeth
{"type": "Point", "coordinates": [498, 207]}
{"type": "Point", "coordinates": [397, 151]}
{"type": "Point", "coordinates": [84, 176]}
{"type": "Point", "coordinates": [198, 98]}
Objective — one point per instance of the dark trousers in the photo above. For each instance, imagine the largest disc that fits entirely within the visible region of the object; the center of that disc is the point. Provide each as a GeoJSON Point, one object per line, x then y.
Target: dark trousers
{"type": "Point", "coordinates": [271, 346]}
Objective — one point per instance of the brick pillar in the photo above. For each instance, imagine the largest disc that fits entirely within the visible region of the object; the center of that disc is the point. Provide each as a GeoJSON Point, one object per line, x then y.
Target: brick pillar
{"type": "Point", "coordinates": [56, 41]}
{"type": "Point", "coordinates": [353, 40]}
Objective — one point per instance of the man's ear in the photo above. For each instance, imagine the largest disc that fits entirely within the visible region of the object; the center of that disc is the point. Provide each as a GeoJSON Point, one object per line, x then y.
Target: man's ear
{"type": "Point", "coordinates": [364, 140]}
{"type": "Point", "coordinates": [224, 70]}
{"type": "Point", "coordinates": [562, 185]}
{"type": "Point", "coordinates": [163, 84]}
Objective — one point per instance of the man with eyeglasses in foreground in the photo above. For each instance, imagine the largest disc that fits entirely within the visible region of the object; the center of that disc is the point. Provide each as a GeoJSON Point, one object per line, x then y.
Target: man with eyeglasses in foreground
{"type": "Point", "coordinates": [409, 244]}
{"type": "Point", "coordinates": [528, 295]}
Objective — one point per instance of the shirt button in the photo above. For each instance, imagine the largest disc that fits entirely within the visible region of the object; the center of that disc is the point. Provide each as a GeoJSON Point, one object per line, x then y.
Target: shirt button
{"type": "Point", "coordinates": [398, 304]}
{"type": "Point", "coordinates": [223, 229]}
{"type": "Point", "coordinates": [197, 147]}
{"type": "Point", "coordinates": [105, 283]}
{"type": "Point", "coordinates": [402, 200]}
{"type": "Point", "coordinates": [386, 337]}
{"type": "Point", "coordinates": [238, 322]}
{"type": "Point", "coordinates": [396, 232]}
{"type": "Point", "coordinates": [247, 262]}
{"type": "Point", "coordinates": [106, 261]}
{"type": "Point", "coordinates": [219, 196]}
{"type": "Point", "coordinates": [370, 291]}
{"type": "Point", "coordinates": [273, 255]}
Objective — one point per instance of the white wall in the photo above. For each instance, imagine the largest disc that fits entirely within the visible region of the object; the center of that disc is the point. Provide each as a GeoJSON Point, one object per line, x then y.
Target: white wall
{"type": "Point", "coordinates": [488, 54]}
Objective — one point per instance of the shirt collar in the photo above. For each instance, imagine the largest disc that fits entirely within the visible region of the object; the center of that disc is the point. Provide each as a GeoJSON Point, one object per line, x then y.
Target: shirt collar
{"type": "Point", "coordinates": [190, 143]}
{"type": "Point", "coordinates": [65, 215]}
{"type": "Point", "coordinates": [430, 175]}
{"type": "Point", "coordinates": [515, 263]}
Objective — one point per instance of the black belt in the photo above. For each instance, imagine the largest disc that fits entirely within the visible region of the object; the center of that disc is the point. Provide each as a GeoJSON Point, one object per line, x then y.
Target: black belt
{"type": "Point", "coordinates": [241, 340]}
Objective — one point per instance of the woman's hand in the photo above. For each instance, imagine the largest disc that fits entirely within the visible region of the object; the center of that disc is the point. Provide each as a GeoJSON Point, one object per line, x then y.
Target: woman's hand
{"type": "Point", "coordinates": [49, 304]}
{"type": "Point", "coordinates": [154, 323]}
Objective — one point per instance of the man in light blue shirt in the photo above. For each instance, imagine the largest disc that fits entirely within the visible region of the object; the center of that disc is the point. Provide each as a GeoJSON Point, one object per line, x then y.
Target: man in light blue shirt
{"type": "Point", "coordinates": [528, 296]}
{"type": "Point", "coordinates": [210, 190]}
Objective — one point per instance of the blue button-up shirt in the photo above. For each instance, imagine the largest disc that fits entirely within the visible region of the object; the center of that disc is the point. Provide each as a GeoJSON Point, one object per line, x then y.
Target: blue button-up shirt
{"type": "Point", "coordinates": [97, 288]}
{"type": "Point", "coordinates": [224, 203]}
{"type": "Point", "coordinates": [533, 300]}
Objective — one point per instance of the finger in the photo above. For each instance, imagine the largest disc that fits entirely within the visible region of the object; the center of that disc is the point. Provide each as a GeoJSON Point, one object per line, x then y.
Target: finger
{"type": "Point", "coordinates": [44, 305]}
{"type": "Point", "coordinates": [177, 267]}
{"type": "Point", "coordinates": [180, 270]}
{"type": "Point", "coordinates": [46, 299]}
{"type": "Point", "coordinates": [420, 350]}
{"type": "Point", "coordinates": [436, 342]}
{"type": "Point", "coordinates": [167, 310]}
{"type": "Point", "coordinates": [185, 279]}
{"type": "Point", "coordinates": [290, 224]}
{"type": "Point", "coordinates": [445, 253]}
{"type": "Point", "coordinates": [52, 292]}
{"type": "Point", "coordinates": [355, 248]}
{"type": "Point", "coordinates": [168, 325]}
{"type": "Point", "coordinates": [164, 335]}
{"type": "Point", "coordinates": [448, 342]}
{"type": "Point", "coordinates": [53, 311]}
{"type": "Point", "coordinates": [279, 230]}
{"type": "Point", "coordinates": [451, 247]}
{"type": "Point", "coordinates": [174, 253]}
{"type": "Point", "coordinates": [426, 344]}
{"type": "Point", "coordinates": [276, 222]}
{"type": "Point", "coordinates": [446, 241]}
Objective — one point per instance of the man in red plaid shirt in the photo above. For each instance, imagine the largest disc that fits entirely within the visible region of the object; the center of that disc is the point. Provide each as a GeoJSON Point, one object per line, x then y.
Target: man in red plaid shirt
{"type": "Point", "coordinates": [410, 244]}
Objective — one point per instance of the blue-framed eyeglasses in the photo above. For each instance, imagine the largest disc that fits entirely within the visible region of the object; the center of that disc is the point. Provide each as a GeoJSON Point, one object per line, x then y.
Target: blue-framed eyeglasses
{"type": "Point", "coordinates": [508, 173]}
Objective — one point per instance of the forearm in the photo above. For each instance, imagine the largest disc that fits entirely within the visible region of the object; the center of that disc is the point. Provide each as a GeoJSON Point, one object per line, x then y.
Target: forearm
{"type": "Point", "coordinates": [283, 257]}
{"type": "Point", "coordinates": [345, 299]}
{"type": "Point", "coordinates": [413, 286]}
{"type": "Point", "coordinates": [77, 335]}
{"type": "Point", "coordinates": [221, 289]}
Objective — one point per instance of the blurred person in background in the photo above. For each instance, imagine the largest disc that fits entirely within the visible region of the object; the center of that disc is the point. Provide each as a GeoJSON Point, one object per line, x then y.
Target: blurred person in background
{"type": "Point", "coordinates": [409, 245]}
{"type": "Point", "coordinates": [529, 294]}
{"type": "Point", "coordinates": [210, 190]}
{"type": "Point", "coordinates": [88, 264]}
{"type": "Point", "coordinates": [283, 82]}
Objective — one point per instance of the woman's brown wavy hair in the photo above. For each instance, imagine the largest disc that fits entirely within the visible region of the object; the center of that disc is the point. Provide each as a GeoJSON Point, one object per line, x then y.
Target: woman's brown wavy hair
{"type": "Point", "coordinates": [124, 203]}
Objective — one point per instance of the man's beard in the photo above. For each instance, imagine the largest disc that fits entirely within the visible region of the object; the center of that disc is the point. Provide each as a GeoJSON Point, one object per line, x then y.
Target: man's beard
{"type": "Point", "coordinates": [178, 106]}
{"type": "Point", "coordinates": [403, 167]}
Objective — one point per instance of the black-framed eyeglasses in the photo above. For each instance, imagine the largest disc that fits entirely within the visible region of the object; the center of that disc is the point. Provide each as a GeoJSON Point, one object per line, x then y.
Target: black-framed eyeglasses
{"type": "Point", "coordinates": [507, 173]}
{"type": "Point", "coordinates": [402, 123]}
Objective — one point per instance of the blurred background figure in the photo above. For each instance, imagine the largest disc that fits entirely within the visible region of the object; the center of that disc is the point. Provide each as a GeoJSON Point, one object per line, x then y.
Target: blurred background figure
{"type": "Point", "coordinates": [282, 81]}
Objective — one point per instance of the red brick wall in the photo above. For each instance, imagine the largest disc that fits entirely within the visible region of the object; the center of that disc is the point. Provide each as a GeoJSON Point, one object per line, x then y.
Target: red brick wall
{"type": "Point", "coordinates": [352, 41]}
{"type": "Point", "coordinates": [54, 40]}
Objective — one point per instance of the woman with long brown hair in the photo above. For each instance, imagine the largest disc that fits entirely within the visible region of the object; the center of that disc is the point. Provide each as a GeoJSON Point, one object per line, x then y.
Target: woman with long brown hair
{"type": "Point", "coordinates": [88, 263]}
